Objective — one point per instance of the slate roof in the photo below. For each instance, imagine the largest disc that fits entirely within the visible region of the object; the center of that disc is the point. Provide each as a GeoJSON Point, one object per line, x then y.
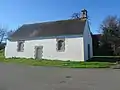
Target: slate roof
{"type": "Point", "coordinates": [45, 29]}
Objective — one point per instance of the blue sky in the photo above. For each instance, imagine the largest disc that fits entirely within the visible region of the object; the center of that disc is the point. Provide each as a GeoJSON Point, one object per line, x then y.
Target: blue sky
{"type": "Point", "coordinates": [14, 13]}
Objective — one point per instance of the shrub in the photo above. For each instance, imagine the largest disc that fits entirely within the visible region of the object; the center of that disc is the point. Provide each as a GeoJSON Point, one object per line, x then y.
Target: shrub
{"type": "Point", "coordinates": [2, 46]}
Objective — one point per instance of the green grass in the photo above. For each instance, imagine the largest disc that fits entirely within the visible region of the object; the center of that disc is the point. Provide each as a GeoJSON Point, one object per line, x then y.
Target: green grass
{"type": "Point", "coordinates": [108, 56]}
{"type": "Point", "coordinates": [58, 63]}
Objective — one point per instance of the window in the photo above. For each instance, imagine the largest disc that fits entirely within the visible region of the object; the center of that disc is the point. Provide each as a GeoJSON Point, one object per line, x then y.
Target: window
{"type": "Point", "coordinates": [20, 47]}
{"type": "Point", "coordinates": [61, 45]}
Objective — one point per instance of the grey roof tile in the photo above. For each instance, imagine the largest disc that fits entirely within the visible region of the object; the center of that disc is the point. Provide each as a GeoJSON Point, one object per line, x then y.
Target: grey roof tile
{"type": "Point", "coordinates": [56, 28]}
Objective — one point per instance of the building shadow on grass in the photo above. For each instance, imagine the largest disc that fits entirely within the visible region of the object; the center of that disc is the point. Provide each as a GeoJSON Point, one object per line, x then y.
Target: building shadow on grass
{"type": "Point", "coordinates": [104, 59]}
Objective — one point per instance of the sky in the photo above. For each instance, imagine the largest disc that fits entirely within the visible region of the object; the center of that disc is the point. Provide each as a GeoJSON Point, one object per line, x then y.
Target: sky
{"type": "Point", "coordinates": [14, 13]}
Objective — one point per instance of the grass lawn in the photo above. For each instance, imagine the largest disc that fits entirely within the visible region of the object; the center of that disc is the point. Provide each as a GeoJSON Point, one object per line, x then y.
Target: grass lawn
{"type": "Point", "coordinates": [58, 63]}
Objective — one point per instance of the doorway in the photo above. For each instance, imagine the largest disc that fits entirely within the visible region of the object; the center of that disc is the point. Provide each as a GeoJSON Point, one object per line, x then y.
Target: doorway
{"type": "Point", "coordinates": [88, 51]}
{"type": "Point", "coordinates": [38, 52]}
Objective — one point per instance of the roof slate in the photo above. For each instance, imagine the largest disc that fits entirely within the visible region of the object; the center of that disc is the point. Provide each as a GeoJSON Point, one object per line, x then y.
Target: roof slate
{"type": "Point", "coordinates": [46, 29]}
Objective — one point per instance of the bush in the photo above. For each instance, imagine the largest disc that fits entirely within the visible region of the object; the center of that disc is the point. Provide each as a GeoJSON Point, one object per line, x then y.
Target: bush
{"type": "Point", "coordinates": [103, 50]}
{"type": "Point", "coordinates": [2, 46]}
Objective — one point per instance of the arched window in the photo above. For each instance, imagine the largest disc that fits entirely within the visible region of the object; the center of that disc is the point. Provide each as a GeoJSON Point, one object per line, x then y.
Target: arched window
{"type": "Point", "coordinates": [61, 45]}
{"type": "Point", "coordinates": [20, 46]}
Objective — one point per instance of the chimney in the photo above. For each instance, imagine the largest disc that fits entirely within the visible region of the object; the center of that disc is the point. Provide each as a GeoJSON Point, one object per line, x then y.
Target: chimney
{"type": "Point", "coordinates": [84, 15]}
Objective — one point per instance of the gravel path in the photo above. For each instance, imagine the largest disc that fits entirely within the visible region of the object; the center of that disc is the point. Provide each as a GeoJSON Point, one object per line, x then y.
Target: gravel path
{"type": "Point", "coordinates": [21, 77]}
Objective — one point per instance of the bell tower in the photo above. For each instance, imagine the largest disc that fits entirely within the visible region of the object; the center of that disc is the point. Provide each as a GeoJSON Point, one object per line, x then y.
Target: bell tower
{"type": "Point", "coordinates": [84, 15]}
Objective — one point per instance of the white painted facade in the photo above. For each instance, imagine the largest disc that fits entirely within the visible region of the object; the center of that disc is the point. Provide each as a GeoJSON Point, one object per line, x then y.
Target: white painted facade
{"type": "Point", "coordinates": [75, 48]}
{"type": "Point", "coordinates": [87, 40]}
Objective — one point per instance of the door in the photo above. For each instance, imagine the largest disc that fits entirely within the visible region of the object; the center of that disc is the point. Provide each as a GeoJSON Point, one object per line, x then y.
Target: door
{"type": "Point", "coordinates": [38, 52]}
{"type": "Point", "coordinates": [88, 51]}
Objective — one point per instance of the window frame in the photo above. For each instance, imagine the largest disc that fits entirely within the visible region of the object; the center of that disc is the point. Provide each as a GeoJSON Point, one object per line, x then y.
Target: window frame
{"type": "Point", "coordinates": [20, 46]}
{"type": "Point", "coordinates": [63, 45]}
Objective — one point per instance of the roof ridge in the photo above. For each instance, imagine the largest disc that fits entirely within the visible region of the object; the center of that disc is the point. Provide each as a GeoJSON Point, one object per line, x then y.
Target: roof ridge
{"type": "Point", "coordinates": [53, 21]}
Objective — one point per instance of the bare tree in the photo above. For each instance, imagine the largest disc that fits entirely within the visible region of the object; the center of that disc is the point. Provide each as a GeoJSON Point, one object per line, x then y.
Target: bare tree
{"type": "Point", "coordinates": [76, 16]}
{"type": "Point", "coordinates": [3, 33]}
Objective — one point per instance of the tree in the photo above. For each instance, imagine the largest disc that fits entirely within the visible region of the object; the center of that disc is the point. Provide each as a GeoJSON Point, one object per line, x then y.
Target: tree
{"type": "Point", "coordinates": [3, 33]}
{"type": "Point", "coordinates": [110, 28]}
{"type": "Point", "coordinates": [76, 15]}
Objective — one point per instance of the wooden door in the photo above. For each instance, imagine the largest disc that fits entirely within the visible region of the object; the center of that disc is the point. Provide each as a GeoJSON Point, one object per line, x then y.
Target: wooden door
{"type": "Point", "coordinates": [39, 52]}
